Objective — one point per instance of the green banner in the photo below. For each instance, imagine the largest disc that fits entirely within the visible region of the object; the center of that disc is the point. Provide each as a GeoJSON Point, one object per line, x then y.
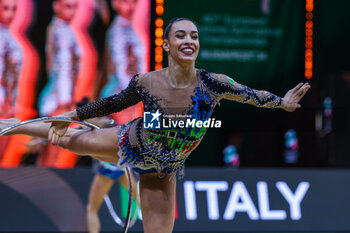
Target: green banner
{"type": "Point", "coordinates": [256, 42]}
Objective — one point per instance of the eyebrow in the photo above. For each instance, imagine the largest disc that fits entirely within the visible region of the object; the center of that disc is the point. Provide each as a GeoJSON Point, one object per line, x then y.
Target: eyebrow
{"type": "Point", "coordinates": [182, 31]}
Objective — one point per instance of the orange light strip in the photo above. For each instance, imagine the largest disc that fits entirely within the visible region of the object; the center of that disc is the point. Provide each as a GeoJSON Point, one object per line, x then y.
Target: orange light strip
{"type": "Point", "coordinates": [158, 32]}
{"type": "Point", "coordinates": [309, 31]}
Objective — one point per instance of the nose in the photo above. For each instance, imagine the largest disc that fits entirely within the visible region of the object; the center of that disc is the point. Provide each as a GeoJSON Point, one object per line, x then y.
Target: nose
{"type": "Point", "coordinates": [188, 39]}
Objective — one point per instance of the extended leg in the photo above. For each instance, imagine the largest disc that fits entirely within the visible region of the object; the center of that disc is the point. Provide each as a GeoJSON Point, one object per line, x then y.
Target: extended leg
{"type": "Point", "coordinates": [123, 180]}
{"type": "Point", "coordinates": [101, 144]}
{"type": "Point", "coordinates": [99, 188]}
{"type": "Point", "coordinates": [157, 203]}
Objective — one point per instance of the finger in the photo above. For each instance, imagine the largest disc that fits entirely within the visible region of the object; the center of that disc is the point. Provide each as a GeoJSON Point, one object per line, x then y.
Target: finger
{"type": "Point", "coordinates": [50, 134]}
{"type": "Point", "coordinates": [56, 138]}
{"type": "Point", "coordinates": [307, 84]}
{"type": "Point", "coordinates": [52, 139]}
{"type": "Point", "coordinates": [60, 132]}
{"type": "Point", "coordinates": [296, 88]}
{"type": "Point", "coordinates": [302, 91]}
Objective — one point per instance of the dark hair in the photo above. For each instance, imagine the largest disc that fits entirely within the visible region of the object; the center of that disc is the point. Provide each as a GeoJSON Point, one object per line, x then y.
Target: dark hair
{"type": "Point", "coordinates": [170, 24]}
{"type": "Point", "coordinates": [85, 100]}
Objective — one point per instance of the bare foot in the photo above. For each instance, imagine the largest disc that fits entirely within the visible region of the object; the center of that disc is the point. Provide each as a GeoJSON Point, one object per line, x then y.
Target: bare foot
{"type": "Point", "coordinates": [5, 123]}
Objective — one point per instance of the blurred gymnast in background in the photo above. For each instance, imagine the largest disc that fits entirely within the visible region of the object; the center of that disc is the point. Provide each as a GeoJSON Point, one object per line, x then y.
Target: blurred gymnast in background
{"type": "Point", "coordinates": [125, 56]}
{"type": "Point", "coordinates": [62, 66]}
{"type": "Point", "coordinates": [10, 65]}
{"type": "Point", "coordinates": [124, 60]}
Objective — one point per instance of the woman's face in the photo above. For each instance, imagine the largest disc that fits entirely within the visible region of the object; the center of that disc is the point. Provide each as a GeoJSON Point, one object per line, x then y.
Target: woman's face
{"type": "Point", "coordinates": [125, 8]}
{"type": "Point", "coordinates": [7, 11]}
{"type": "Point", "coordinates": [65, 9]}
{"type": "Point", "coordinates": [183, 42]}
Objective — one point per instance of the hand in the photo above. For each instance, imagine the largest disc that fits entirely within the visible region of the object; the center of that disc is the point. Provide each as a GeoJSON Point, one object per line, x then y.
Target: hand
{"type": "Point", "coordinates": [57, 130]}
{"type": "Point", "coordinates": [290, 101]}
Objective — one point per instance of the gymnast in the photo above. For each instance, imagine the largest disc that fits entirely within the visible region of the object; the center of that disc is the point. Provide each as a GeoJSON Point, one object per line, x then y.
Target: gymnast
{"type": "Point", "coordinates": [158, 154]}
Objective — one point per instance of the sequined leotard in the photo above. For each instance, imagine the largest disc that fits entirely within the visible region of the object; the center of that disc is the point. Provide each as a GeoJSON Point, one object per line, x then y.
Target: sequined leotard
{"type": "Point", "coordinates": [166, 149]}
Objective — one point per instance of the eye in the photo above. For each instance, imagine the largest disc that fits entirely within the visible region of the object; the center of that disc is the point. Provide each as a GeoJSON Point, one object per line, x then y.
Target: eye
{"type": "Point", "coordinates": [194, 36]}
{"type": "Point", "coordinates": [180, 36]}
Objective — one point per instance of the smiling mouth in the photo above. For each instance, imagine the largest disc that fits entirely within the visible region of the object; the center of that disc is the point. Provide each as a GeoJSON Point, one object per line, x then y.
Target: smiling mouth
{"type": "Point", "coordinates": [187, 51]}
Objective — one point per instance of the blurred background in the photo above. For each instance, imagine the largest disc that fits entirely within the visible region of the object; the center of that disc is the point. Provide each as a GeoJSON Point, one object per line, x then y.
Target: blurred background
{"type": "Point", "coordinates": [57, 54]}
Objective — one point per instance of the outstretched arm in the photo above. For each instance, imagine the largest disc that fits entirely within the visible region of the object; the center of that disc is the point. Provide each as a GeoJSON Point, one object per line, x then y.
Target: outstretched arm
{"type": "Point", "coordinates": [244, 94]}
{"type": "Point", "coordinates": [115, 103]}
{"type": "Point", "coordinates": [232, 90]}
{"type": "Point", "coordinates": [102, 107]}
{"type": "Point", "coordinates": [265, 99]}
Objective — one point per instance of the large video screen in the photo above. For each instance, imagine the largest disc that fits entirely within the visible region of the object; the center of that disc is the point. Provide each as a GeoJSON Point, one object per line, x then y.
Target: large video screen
{"type": "Point", "coordinates": [56, 54]}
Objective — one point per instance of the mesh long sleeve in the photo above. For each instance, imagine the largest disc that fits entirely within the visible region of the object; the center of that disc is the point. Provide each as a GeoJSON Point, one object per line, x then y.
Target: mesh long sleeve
{"type": "Point", "coordinates": [238, 92]}
{"type": "Point", "coordinates": [115, 103]}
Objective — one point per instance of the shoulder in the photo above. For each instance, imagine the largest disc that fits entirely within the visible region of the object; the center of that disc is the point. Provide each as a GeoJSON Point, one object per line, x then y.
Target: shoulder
{"type": "Point", "coordinates": [141, 80]}
{"type": "Point", "coordinates": [144, 78]}
{"type": "Point", "coordinates": [113, 27]}
{"type": "Point", "coordinates": [217, 84]}
{"type": "Point", "coordinates": [51, 29]}
{"type": "Point", "coordinates": [209, 77]}
{"type": "Point", "coordinates": [220, 77]}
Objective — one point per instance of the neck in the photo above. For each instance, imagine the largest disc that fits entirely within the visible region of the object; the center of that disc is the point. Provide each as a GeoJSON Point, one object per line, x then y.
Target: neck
{"type": "Point", "coordinates": [178, 75]}
{"type": "Point", "coordinates": [127, 17]}
{"type": "Point", "coordinates": [59, 17]}
{"type": "Point", "coordinates": [4, 24]}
